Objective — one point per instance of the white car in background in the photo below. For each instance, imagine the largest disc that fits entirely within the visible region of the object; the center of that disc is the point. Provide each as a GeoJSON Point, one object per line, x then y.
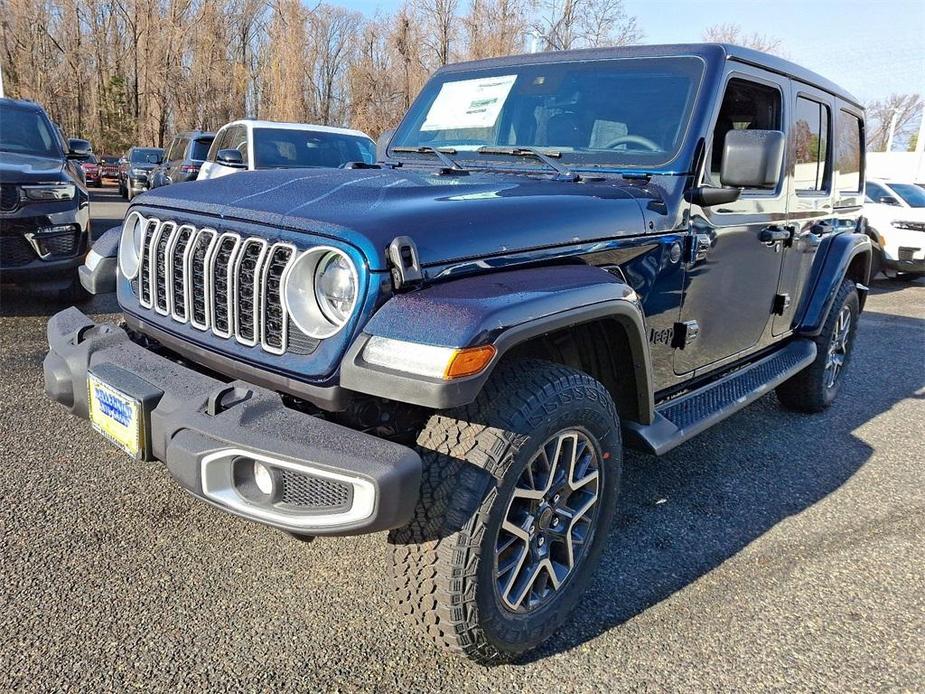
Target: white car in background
{"type": "Point", "coordinates": [895, 213]}
{"type": "Point", "coordinates": [246, 145]}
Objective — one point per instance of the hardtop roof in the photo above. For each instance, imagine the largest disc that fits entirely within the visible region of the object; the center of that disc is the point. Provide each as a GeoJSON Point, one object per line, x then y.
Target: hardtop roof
{"type": "Point", "coordinates": [707, 51]}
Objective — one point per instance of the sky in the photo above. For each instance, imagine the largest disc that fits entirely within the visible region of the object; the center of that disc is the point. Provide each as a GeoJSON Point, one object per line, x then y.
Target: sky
{"type": "Point", "coordinates": [872, 48]}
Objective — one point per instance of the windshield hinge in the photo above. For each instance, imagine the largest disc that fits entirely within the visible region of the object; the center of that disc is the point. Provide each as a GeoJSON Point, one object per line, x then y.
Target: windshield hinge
{"type": "Point", "coordinates": [405, 263]}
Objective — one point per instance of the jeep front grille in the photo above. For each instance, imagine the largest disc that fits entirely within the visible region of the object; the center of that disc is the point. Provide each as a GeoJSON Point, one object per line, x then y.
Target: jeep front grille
{"type": "Point", "coordinates": [223, 283]}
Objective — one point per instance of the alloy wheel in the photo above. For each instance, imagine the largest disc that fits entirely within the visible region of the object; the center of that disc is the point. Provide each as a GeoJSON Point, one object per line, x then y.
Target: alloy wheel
{"type": "Point", "coordinates": [549, 521]}
{"type": "Point", "coordinates": [838, 348]}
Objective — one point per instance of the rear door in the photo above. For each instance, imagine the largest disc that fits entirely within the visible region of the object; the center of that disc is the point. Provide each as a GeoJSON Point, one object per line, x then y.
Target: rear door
{"type": "Point", "coordinates": [811, 214]}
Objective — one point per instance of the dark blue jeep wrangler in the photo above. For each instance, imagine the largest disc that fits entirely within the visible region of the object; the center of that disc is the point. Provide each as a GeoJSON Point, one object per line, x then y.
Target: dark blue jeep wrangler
{"type": "Point", "coordinates": [557, 255]}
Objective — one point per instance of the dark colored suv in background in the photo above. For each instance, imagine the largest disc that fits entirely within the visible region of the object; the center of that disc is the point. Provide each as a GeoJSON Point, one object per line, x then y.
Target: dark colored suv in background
{"type": "Point", "coordinates": [44, 204]}
{"type": "Point", "coordinates": [184, 156]}
{"type": "Point", "coordinates": [135, 170]}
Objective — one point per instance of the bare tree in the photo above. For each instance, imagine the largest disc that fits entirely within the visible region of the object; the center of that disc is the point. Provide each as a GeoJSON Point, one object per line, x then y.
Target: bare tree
{"type": "Point", "coordinates": [733, 33]}
{"type": "Point", "coordinates": [566, 24]}
{"type": "Point", "coordinates": [903, 109]}
{"type": "Point", "coordinates": [495, 28]}
{"type": "Point", "coordinates": [437, 24]}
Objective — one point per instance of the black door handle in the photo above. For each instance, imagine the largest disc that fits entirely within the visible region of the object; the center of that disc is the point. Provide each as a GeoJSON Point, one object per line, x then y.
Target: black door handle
{"type": "Point", "coordinates": [774, 234]}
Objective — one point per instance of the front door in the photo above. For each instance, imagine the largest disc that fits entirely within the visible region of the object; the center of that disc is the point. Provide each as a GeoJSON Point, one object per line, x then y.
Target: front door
{"type": "Point", "coordinates": [810, 207]}
{"type": "Point", "coordinates": [733, 273]}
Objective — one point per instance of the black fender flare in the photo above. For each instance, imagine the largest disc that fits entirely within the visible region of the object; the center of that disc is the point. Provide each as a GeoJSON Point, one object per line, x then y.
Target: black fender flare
{"type": "Point", "coordinates": [503, 309]}
{"type": "Point", "coordinates": [833, 260]}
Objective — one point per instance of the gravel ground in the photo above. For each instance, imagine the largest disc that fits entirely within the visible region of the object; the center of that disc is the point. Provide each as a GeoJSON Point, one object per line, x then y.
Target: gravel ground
{"type": "Point", "coordinates": [774, 551]}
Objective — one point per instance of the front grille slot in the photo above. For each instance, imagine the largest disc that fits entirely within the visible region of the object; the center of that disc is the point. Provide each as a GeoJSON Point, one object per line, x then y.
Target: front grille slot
{"type": "Point", "coordinates": [218, 282]}
{"type": "Point", "coordinates": [247, 290]}
{"type": "Point", "coordinates": [273, 315]}
{"type": "Point", "coordinates": [176, 272]}
{"type": "Point", "coordinates": [15, 251]}
{"type": "Point", "coordinates": [144, 269]}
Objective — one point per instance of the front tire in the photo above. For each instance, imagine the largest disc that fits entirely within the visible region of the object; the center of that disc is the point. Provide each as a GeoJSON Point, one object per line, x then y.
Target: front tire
{"type": "Point", "coordinates": [814, 388]}
{"type": "Point", "coordinates": [518, 494]}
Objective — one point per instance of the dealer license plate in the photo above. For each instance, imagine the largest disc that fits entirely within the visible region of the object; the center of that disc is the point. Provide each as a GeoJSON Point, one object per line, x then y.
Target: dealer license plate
{"type": "Point", "coordinates": [116, 416]}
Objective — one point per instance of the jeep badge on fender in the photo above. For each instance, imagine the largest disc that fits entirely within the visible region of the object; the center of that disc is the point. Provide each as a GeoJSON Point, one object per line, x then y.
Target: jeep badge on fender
{"type": "Point", "coordinates": [558, 255]}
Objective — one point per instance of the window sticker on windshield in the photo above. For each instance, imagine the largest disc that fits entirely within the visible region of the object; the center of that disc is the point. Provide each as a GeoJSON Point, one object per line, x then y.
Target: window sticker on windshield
{"type": "Point", "coordinates": [469, 103]}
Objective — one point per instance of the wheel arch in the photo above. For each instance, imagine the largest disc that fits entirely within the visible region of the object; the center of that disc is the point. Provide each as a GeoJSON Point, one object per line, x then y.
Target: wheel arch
{"type": "Point", "coordinates": [575, 315]}
{"type": "Point", "coordinates": [845, 255]}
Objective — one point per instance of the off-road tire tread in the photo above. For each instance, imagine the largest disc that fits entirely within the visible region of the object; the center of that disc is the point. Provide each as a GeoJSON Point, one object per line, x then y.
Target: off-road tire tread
{"type": "Point", "coordinates": [433, 560]}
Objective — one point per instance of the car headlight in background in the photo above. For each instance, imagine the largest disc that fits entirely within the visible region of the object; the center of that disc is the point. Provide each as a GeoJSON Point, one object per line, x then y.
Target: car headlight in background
{"type": "Point", "coordinates": [133, 234]}
{"type": "Point", "coordinates": [320, 291]}
{"type": "Point", "coordinates": [51, 191]}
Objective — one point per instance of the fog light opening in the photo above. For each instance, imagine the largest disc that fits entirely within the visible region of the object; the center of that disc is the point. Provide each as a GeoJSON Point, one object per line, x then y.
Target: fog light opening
{"type": "Point", "coordinates": [263, 478]}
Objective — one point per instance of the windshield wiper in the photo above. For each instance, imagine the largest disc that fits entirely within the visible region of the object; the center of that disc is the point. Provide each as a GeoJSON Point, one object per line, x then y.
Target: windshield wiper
{"type": "Point", "coordinates": [562, 173]}
{"type": "Point", "coordinates": [450, 165]}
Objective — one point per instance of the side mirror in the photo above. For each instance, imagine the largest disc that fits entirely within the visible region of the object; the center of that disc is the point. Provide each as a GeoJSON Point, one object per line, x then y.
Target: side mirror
{"type": "Point", "coordinates": [78, 148]}
{"type": "Point", "coordinates": [231, 158]}
{"type": "Point", "coordinates": [752, 158]}
{"type": "Point", "coordinates": [888, 200]}
{"type": "Point", "coordinates": [382, 144]}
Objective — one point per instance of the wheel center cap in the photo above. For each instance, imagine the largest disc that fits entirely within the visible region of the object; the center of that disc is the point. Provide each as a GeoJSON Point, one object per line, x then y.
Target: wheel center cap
{"type": "Point", "coordinates": [545, 519]}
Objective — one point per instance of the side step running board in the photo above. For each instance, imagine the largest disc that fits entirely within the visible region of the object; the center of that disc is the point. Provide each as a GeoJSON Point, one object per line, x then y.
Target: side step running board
{"type": "Point", "coordinates": [684, 417]}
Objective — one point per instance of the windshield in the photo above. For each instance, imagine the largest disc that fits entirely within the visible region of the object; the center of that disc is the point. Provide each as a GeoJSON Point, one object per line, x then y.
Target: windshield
{"type": "Point", "coordinates": [87, 159]}
{"type": "Point", "coordinates": [27, 131]}
{"type": "Point", "coordinates": [913, 195]}
{"type": "Point", "coordinates": [200, 148]}
{"type": "Point", "coordinates": [147, 155]}
{"type": "Point", "coordinates": [284, 148]}
{"type": "Point", "coordinates": [625, 112]}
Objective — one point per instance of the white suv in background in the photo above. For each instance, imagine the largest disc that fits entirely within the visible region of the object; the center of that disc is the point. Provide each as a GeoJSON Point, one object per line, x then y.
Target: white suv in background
{"type": "Point", "coordinates": [256, 144]}
{"type": "Point", "coordinates": [895, 214]}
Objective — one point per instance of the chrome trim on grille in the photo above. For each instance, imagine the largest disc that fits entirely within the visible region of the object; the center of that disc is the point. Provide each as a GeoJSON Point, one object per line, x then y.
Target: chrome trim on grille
{"type": "Point", "coordinates": [145, 265]}
{"type": "Point", "coordinates": [235, 294]}
{"type": "Point", "coordinates": [213, 283]}
{"type": "Point", "coordinates": [205, 287]}
{"type": "Point", "coordinates": [284, 317]}
{"type": "Point", "coordinates": [229, 283]}
{"type": "Point", "coordinates": [166, 228]}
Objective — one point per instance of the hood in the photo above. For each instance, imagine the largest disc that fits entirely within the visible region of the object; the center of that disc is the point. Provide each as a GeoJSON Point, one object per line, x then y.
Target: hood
{"type": "Point", "coordinates": [884, 215]}
{"type": "Point", "coordinates": [144, 166]}
{"type": "Point", "coordinates": [27, 168]}
{"type": "Point", "coordinates": [449, 217]}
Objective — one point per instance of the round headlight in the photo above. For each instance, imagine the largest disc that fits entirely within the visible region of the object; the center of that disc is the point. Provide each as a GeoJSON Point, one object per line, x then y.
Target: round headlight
{"type": "Point", "coordinates": [335, 287]}
{"type": "Point", "coordinates": [133, 234]}
{"type": "Point", "coordinates": [320, 291]}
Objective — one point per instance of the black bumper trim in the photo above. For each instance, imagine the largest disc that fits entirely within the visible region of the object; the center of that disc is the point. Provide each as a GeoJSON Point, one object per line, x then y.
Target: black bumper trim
{"type": "Point", "coordinates": [186, 425]}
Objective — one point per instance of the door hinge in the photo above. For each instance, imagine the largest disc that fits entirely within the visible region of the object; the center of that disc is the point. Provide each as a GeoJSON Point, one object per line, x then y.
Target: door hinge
{"type": "Point", "coordinates": [781, 304]}
{"type": "Point", "coordinates": [685, 333]}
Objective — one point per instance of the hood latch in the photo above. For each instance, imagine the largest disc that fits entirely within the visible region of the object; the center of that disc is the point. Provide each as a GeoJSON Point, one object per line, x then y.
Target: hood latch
{"type": "Point", "coordinates": [405, 263]}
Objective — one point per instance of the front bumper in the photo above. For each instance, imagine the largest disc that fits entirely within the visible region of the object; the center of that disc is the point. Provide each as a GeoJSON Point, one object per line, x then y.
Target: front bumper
{"type": "Point", "coordinates": [28, 254]}
{"type": "Point", "coordinates": [205, 430]}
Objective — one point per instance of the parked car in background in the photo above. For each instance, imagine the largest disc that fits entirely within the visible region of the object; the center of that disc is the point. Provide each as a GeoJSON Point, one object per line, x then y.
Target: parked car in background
{"type": "Point", "coordinates": [91, 169]}
{"type": "Point", "coordinates": [895, 214]}
{"type": "Point", "coordinates": [183, 158]}
{"type": "Point", "coordinates": [135, 169]}
{"type": "Point", "coordinates": [109, 167]}
{"type": "Point", "coordinates": [256, 144]}
{"type": "Point", "coordinates": [44, 204]}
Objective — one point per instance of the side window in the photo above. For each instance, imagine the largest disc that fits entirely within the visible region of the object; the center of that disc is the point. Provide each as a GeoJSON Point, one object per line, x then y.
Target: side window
{"type": "Point", "coordinates": [874, 193]}
{"type": "Point", "coordinates": [810, 146]}
{"type": "Point", "coordinates": [180, 152]}
{"type": "Point", "coordinates": [217, 144]}
{"type": "Point", "coordinates": [746, 106]}
{"type": "Point", "coordinates": [172, 150]}
{"type": "Point", "coordinates": [237, 139]}
{"type": "Point", "coordinates": [848, 153]}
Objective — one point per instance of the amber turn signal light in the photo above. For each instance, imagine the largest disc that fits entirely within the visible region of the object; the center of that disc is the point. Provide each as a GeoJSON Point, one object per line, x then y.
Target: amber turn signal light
{"type": "Point", "coordinates": [469, 361]}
